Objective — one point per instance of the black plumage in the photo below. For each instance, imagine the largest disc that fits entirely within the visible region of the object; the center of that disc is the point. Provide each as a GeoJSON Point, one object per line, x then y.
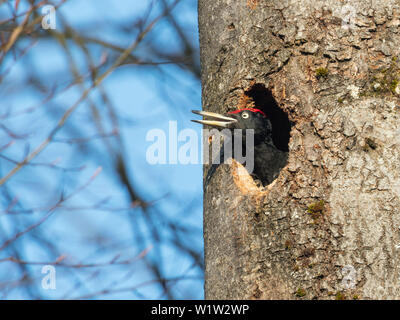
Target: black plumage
{"type": "Point", "coordinates": [268, 159]}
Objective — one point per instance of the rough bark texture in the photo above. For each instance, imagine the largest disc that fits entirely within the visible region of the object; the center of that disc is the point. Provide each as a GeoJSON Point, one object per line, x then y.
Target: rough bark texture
{"type": "Point", "coordinates": [328, 226]}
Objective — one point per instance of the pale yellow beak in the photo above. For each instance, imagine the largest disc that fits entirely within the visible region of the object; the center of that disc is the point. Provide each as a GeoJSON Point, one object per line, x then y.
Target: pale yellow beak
{"type": "Point", "coordinates": [221, 121]}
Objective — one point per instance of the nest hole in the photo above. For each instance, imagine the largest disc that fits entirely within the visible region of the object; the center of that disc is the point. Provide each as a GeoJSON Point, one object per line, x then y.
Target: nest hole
{"type": "Point", "coordinates": [263, 99]}
{"type": "Point", "coordinates": [281, 125]}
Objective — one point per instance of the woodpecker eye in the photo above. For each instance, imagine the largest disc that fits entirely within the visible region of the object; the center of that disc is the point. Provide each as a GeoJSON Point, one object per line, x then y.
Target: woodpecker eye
{"type": "Point", "coordinates": [245, 115]}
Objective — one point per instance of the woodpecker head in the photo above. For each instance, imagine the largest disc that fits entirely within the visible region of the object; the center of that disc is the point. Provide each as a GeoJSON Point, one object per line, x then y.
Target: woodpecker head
{"type": "Point", "coordinates": [248, 118]}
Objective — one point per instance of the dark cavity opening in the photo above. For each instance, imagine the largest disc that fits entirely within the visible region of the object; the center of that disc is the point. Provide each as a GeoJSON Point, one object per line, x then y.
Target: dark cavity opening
{"type": "Point", "coordinates": [281, 125]}
{"type": "Point", "coordinates": [269, 165]}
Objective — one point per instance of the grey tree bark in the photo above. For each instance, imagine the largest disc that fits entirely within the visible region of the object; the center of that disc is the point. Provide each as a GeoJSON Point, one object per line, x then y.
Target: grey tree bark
{"type": "Point", "coordinates": [328, 226]}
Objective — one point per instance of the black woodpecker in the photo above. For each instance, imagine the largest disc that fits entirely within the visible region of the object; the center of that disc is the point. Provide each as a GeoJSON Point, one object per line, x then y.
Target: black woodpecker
{"type": "Point", "coordinates": [268, 159]}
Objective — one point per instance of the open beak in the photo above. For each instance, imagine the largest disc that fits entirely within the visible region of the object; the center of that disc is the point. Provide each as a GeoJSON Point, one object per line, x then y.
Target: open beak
{"type": "Point", "coordinates": [220, 120]}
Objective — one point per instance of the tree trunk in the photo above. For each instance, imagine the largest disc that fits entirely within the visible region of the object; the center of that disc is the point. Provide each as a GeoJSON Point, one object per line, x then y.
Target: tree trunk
{"type": "Point", "coordinates": [328, 226]}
